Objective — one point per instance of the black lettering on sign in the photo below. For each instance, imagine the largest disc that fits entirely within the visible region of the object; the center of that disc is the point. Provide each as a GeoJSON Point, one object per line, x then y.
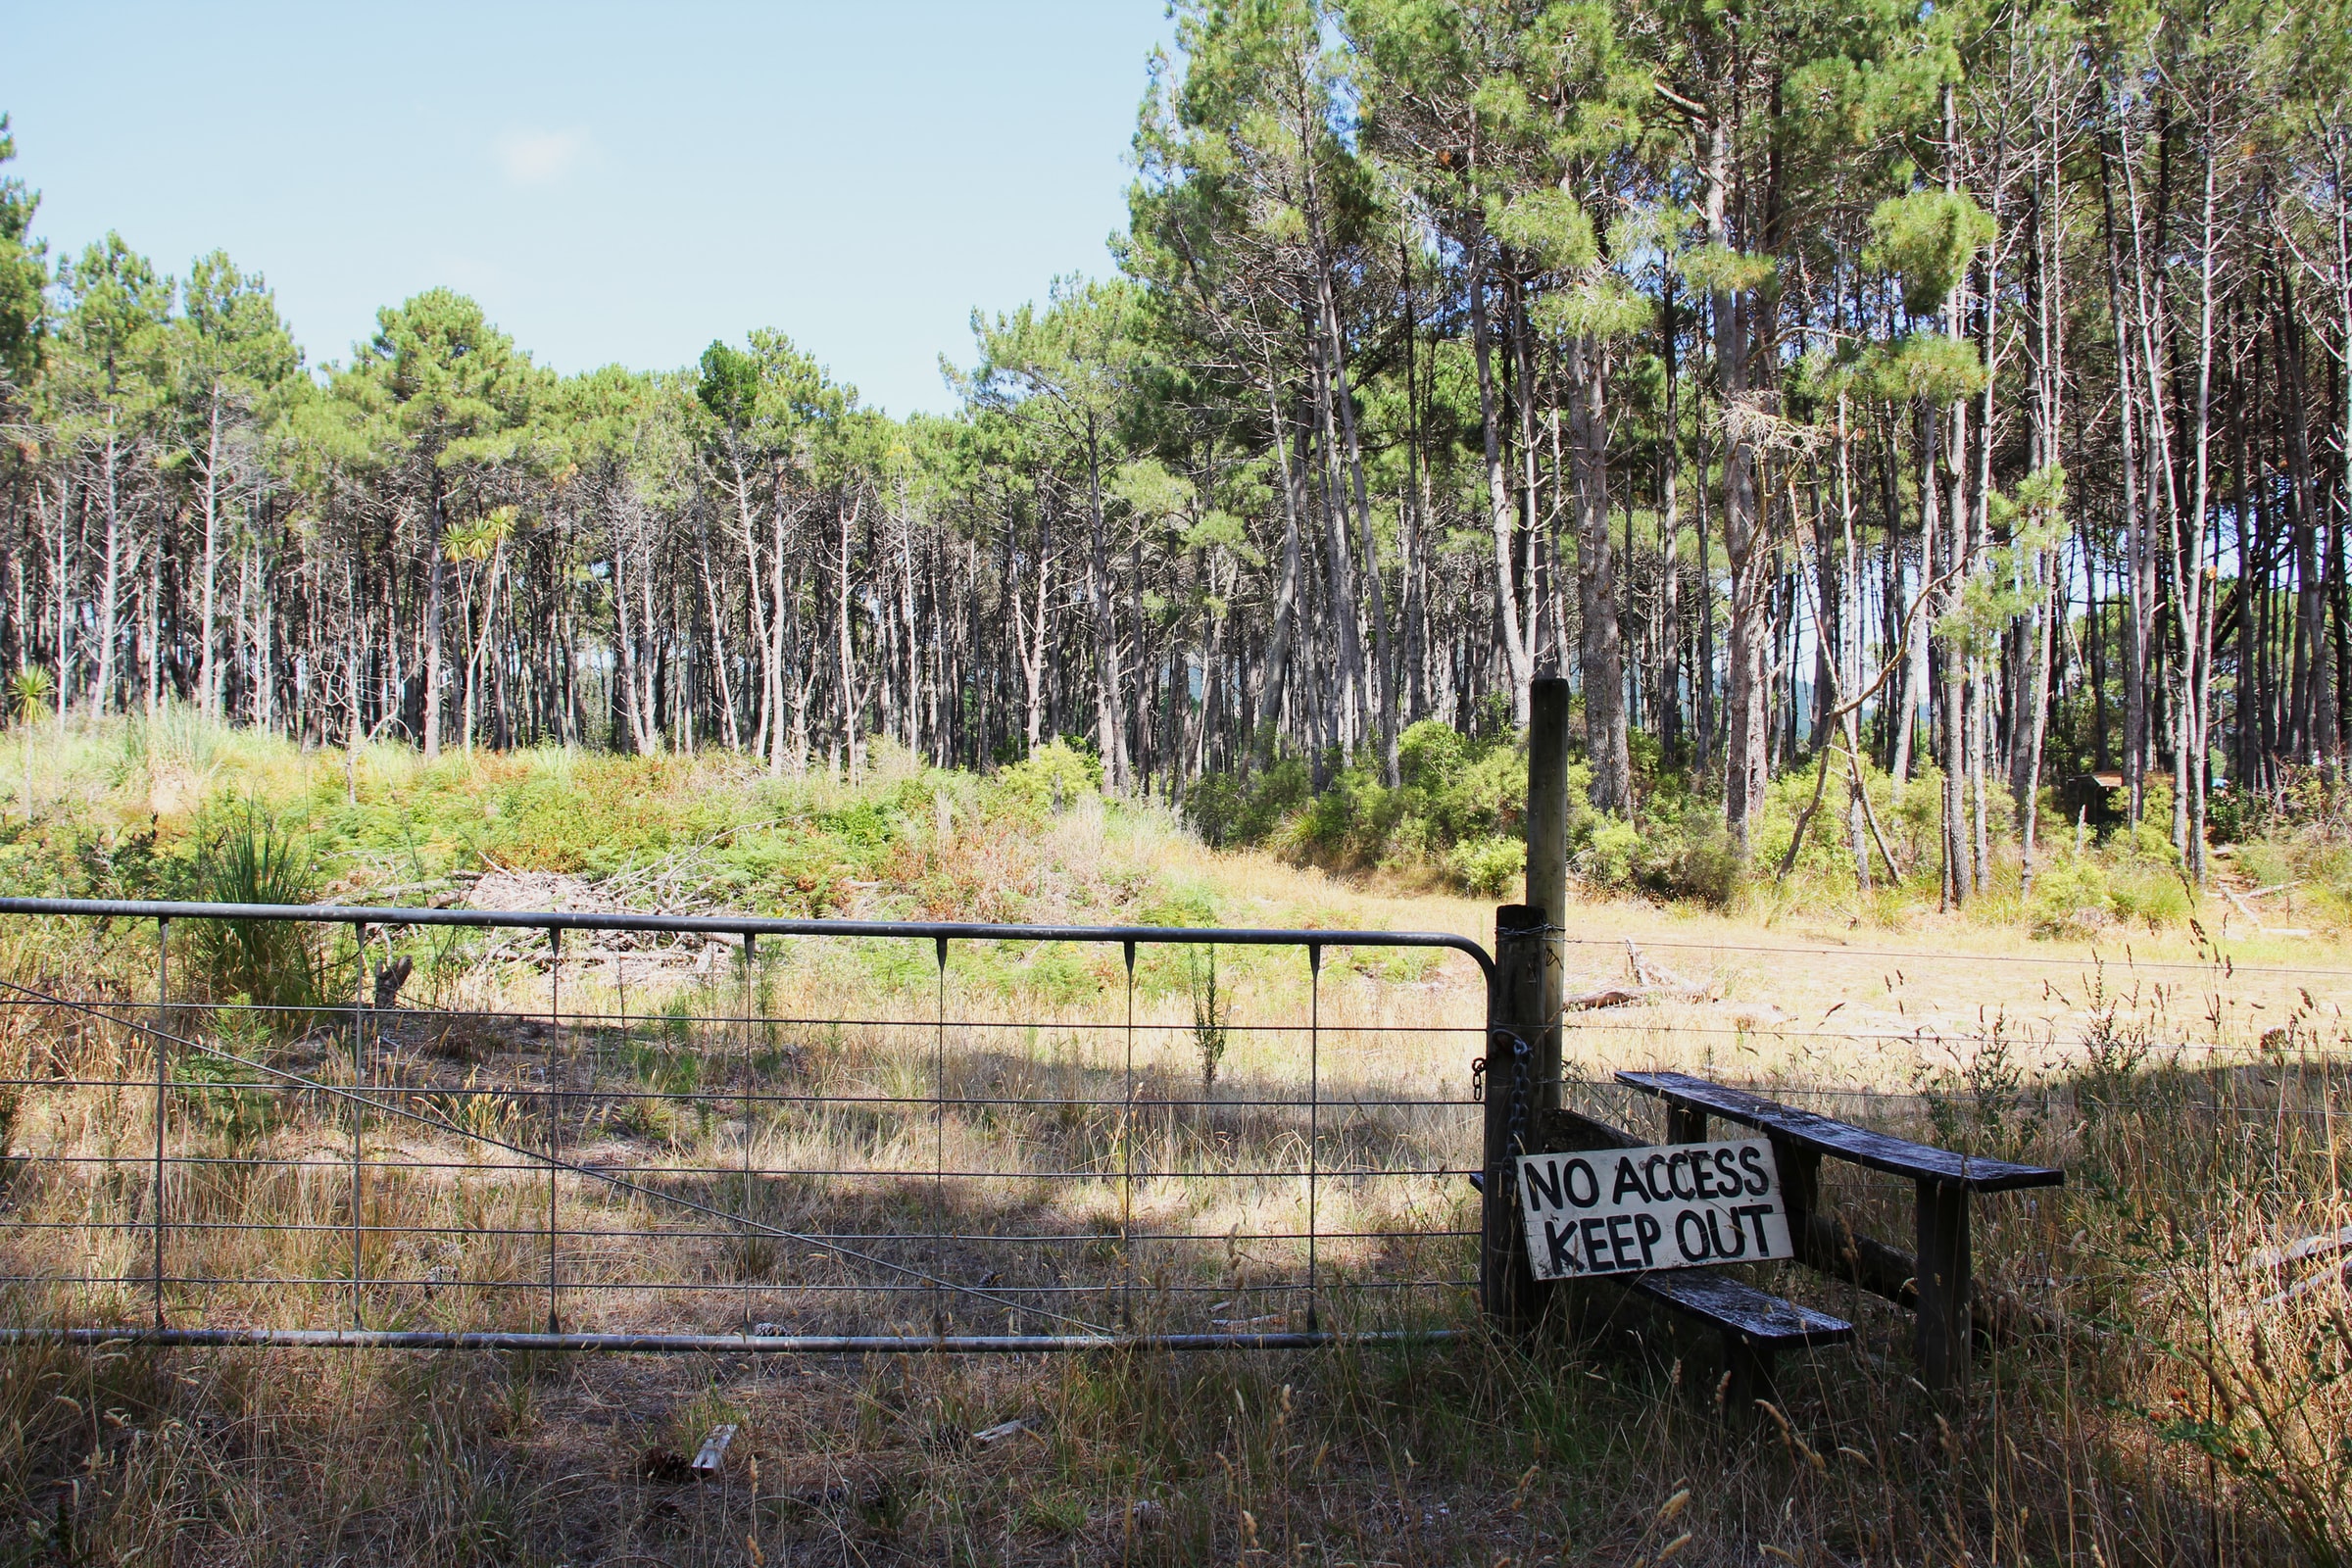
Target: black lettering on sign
{"type": "Point", "coordinates": [1574, 1168]}
{"type": "Point", "coordinates": [1677, 1206]}
{"type": "Point", "coordinates": [1556, 1245]}
{"type": "Point", "coordinates": [1628, 1180]}
{"type": "Point", "coordinates": [1621, 1242]}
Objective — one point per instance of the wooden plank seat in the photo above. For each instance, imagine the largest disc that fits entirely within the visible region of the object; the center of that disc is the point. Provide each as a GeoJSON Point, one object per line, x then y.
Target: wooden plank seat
{"type": "Point", "coordinates": [1752, 1325]}
{"type": "Point", "coordinates": [1757, 1317]}
{"type": "Point", "coordinates": [1860, 1146]}
{"type": "Point", "coordinates": [1936, 1282]}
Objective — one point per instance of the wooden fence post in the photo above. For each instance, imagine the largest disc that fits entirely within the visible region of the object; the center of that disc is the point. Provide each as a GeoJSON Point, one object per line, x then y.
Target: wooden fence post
{"type": "Point", "coordinates": [1548, 867]}
{"type": "Point", "coordinates": [1523, 1016]}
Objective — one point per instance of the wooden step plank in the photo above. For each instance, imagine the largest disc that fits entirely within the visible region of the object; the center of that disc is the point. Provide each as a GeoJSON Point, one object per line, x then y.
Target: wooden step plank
{"type": "Point", "coordinates": [1758, 1317]}
{"type": "Point", "coordinates": [1898, 1156]}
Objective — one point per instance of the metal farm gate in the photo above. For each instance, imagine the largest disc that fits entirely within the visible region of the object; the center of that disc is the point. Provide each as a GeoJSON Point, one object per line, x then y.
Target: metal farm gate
{"type": "Point", "coordinates": [1076, 1141]}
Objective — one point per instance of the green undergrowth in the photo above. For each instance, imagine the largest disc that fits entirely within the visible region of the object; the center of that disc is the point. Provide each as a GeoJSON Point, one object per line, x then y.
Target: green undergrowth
{"type": "Point", "coordinates": [1457, 818]}
{"type": "Point", "coordinates": [175, 809]}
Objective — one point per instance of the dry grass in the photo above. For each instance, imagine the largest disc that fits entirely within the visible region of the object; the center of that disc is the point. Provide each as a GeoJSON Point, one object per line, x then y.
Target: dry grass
{"type": "Point", "coordinates": [2157, 1404]}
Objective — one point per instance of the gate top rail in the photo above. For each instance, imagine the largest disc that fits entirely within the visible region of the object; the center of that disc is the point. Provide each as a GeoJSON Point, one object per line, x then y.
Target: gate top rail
{"type": "Point", "coordinates": [742, 925]}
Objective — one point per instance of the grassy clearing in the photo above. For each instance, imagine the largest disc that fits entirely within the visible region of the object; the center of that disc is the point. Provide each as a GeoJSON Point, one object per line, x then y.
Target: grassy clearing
{"type": "Point", "coordinates": [2156, 1404]}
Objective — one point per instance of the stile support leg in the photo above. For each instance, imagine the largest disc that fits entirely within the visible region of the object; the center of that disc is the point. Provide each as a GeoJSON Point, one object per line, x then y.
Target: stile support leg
{"type": "Point", "coordinates": [1945, 1278]}
{"type": "Point", "coordinates": [1801, 1196]}
{"type": "Point", "coordinates": [1750, 1370]}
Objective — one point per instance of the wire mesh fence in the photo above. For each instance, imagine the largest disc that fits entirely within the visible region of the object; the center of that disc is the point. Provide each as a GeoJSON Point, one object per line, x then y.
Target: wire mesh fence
{"type": "Point", "coordinates": [808, 1135]}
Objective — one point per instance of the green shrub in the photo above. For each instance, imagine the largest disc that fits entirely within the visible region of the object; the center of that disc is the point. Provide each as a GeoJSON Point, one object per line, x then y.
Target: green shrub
{"type": "Point", "coordinates": [1227, 809]}
{"type": "Point", "coordinates": [2235, 816]}
{"type": "Point", "coordinates": [1052, 777]}
{"type": "Point", "coordinates": [2145, 877]}
{"type": "Point", "coordinates": [1455, 794]}
{"type": "Point", "coordinates": [1479, 790]}
{"type": "Point", "coordinates": [1213, 804]}
{"type": "Point", "coordinates": [2149, 845]}
{"type": "Point", "coordinates": [2070, 897]}
{"type": "Point", "coordinates": [1351, 822]}
{"type": "Point", "coordinates": [2139, 892]}
{"type": "Point", "coordinates": [1212, 1024]}
{"type": "Point", "coordinates": [1488, 865]}
{"type": "Point", "coordinates": [1609, 855]}
{"type": "Point", "coordinates": [1429, 753]}
{"type": "Point", "coordinates": [1690, 855]}
{"type": "Point", "coordinates": [219, 1091]}
{"type": "Point", "coordinates": [1186, 904]}
{"type": "Point", "coordinates": [246, 856]}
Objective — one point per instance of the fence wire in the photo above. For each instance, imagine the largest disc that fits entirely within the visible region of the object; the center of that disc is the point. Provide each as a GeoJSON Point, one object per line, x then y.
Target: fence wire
{"type": "Point", "coordinates": [723, 1165]}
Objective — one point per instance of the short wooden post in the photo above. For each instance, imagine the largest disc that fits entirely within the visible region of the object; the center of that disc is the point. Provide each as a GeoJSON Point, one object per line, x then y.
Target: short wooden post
{"type": "Point", "coordinates": [1686, 1124]}
{"type": "Point", "coordinates": [1506, 1290]}
{"type": "Point", "coordinates": [1748, 1369]}
{"type": "Point", "coordinates": [1943, 1280]}
{"type": "Point", "coordinates": [1800, 1188]}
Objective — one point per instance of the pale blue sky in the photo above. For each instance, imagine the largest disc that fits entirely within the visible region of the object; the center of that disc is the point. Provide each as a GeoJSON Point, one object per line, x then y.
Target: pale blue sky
{"type": "Point", "coordinates": [614, 182]}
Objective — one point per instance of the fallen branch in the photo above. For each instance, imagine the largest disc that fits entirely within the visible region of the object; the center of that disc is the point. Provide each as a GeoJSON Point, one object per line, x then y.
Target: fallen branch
{"type": "Point", "coordinates": [1651, 983]}
{"type": "Point", "coordinates": [1843, 715]}
{"type": "Point", "coordinates": [2324, 1245]}
{"type": "Point", "coordinates": [2341, 1275]}
{"type": "Point", "coordinates": [1606, 997]}
{"type": "Point", "coordinates": [1652, 974]}
{"type": "Point", "coordinates": [2255, 920]}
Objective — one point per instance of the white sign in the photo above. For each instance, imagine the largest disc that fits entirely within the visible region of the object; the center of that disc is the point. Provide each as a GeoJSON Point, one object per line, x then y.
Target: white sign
{"type": "Point", "coordinates": [1673, 1206]}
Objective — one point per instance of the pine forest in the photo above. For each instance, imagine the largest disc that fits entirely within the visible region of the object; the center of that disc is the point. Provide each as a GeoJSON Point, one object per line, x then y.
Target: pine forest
{"type": "Point", "coordinates": [1905, 410]}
